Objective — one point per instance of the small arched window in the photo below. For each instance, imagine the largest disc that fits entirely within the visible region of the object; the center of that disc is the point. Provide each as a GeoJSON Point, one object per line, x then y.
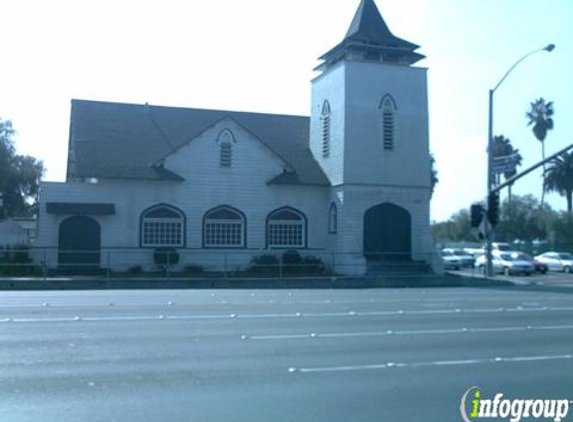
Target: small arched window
{"type": "Point", "coordinates": [325, 117]}
{"type": "Point", "coordinates": [332, 218]}
{"type": "Point", "coordinates": [162, 225]}
{"type": "Point", "coordinates": [224, 227]}
{"type": "Point", "coordinates": [286, 228]}
{"type": "Point", "coordinates": [226, 141]}
{"type": "Point", "coordinates": [388, 107]}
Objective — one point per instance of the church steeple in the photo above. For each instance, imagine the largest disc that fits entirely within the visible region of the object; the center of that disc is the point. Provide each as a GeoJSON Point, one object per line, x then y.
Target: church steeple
{"type": "Point", "coordinates": [370, 39]}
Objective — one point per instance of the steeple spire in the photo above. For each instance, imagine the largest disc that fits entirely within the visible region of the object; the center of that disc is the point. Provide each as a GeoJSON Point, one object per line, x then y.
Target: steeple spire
{"type": "Point", "coordinates": [370, 39]}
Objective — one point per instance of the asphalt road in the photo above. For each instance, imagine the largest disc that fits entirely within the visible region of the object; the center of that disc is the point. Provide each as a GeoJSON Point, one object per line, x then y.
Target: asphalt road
{"type": "Point", "coordinates": [278, 355]}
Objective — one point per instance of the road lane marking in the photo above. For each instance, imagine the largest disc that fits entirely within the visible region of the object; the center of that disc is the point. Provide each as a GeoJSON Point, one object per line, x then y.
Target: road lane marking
{"type": "Point", "coordinates": [287, 301]}
{"type": "Point", "coordinates": [299, 336]}
{"type": "Point", "coordinates": [352, 314]}
{"type": "Point", "coordinates": [389, 365]}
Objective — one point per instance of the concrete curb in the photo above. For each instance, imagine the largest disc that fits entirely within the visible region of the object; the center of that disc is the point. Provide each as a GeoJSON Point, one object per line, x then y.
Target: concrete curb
{"type": "Point", "coordinates": [98, 283]}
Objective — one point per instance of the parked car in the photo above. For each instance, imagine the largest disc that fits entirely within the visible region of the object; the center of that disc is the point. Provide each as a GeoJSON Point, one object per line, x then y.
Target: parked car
{"type": "Point", "coordinates": [450, 260]}
{"type": "Point", "coordinates": [557, 261]}
{"type": "Point", "coordinates": [540, 267]}
{"type": "Point", "coordinates": [500, 246]}
{"type": "Point", "coordinates": [466, 260]}
{"type": "Point", "coordinates": [508, 263]}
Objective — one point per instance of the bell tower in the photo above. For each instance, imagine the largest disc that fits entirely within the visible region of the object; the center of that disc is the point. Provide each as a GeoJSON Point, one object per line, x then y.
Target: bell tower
{"type": "Point", "coordinates": [369, 132]}
{"type": "Point", "coordinates": [369, 107]}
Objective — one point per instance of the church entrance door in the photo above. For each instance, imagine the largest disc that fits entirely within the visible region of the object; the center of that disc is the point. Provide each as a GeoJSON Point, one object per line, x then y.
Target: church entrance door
{"type": "Point", "coordinates": [79, 243]}
{"type": "Point", "coordinates": [387, 233]}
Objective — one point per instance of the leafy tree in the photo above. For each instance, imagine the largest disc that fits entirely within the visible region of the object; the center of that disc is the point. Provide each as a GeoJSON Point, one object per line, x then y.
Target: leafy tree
{"type": "Point", "coordinates": [540, 116]}
{"type": "Point", "coordinates": [562, 228]}
{"type": "Point", "coordinates": [559, 178]}
{"type": "Point", "coordinates": [457, 228]}
{"type": "Point", "coordinates": [523, 218]}
{"type": "Point", "coordinates": [19, 175]}
{"type": "Point", "coordinates": [433, 175]}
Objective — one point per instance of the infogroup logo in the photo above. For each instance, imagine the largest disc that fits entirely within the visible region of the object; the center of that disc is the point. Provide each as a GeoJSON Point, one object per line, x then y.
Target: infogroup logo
{"type": "Point", "coordinates": [474, 407]}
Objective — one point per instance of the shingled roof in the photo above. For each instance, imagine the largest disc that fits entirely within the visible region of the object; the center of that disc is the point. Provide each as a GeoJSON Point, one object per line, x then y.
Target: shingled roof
{"type": "Point", "coordinates": [129, 141]}
{"type": "Point", "coordinates": [369, 32]}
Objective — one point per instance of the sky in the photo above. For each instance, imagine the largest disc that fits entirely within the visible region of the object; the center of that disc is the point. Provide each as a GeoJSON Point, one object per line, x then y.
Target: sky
{"type": "Point", "coordinates": [258, 55]}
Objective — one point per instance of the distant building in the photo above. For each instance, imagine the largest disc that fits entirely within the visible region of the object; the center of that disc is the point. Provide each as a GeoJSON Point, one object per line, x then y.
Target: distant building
{"type": "Point", "coordinates": [351, 181]}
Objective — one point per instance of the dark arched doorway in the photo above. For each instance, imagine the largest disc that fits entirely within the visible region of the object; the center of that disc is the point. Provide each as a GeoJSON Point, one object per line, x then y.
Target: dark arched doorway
{"type": "Point", "coordinates": [387, 233]}
{"type": "Point", "coordinates": [79, 240]}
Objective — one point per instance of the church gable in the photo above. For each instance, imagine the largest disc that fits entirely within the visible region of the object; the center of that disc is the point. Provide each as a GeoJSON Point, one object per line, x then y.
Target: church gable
{"type": "Point", "coordinates": [226, 150]}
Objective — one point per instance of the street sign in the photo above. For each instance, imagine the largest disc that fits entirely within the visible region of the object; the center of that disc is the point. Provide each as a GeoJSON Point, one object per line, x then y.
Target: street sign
{"type": "Point", "coordinates": [505, 164]}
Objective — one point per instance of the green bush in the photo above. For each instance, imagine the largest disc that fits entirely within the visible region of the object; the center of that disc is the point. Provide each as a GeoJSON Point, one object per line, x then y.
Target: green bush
{"type": "Point", "coordinates": [164, 256]}
{"type": "Point", "coordinates": [313, 265]}
{"type": "Point", "coordinates": [17, 261]}
{"type": "Point", "coordinates": [291, 260]}
{"type": "Point", "coordinates": [193, 269]}
{"type": "Point", "coordinates": [135, 269]}
{"type": "Point", "coordinates": [267, 265]}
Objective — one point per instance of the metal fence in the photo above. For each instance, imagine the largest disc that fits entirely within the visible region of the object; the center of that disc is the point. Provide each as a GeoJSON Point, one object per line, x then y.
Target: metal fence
{"type": "Point", "coordinates": [204, 263]}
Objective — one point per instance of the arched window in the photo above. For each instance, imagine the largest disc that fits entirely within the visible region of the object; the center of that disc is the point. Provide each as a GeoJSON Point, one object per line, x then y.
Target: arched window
{"type": "Point", "coordinates": [286, 228]}
{"type": "Point", "coordinates": [224, 227]}
{"type": "Point", "coordinates": [332, 218]}
{"type": "Point", "coordinates": [388, 107]}
{"type": "Point", "coordinates": [162, 225]}
{"type": "Point", "coordinates": [325, 117]}
{"type": "Point", "coordinates": [226, 141]}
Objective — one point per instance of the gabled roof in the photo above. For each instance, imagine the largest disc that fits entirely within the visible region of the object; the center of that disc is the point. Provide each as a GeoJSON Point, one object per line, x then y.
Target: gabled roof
{"type": "Point", "coordinates": [369, 32]}
{"type": "Point", "coordinates": [129, 141]}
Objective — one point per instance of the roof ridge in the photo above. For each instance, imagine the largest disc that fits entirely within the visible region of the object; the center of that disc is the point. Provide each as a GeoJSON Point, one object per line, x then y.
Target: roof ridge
{"type": "Point", "coordinates": [151, 106]}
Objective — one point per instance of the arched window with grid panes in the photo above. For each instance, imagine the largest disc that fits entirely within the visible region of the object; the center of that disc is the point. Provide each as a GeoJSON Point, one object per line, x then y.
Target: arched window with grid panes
{"type": "Point", "coordinates": [388, 106]}
{"type": "Point", "coordinates": [224, 227]}
{"type": "Point", "coordinates": [162, 225]}
{"type": "Point", "coordinates": [286, 228]}
{"type": "Point", "coordinates": [326, 132]}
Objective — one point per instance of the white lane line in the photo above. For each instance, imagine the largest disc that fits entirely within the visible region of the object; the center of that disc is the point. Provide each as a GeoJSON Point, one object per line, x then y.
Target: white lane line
{"type": "Point", "coordinates": [281, 302]}
{"type": "Point", "coordinates": [389, 365]}
{"type": "Point", "coordinates": [289, 315]}
{"type": "Point", "coordinates": [479, 311]}
{"type": "Point", "coordinates": [496, 329]}
{"type": "Point", "coordinates": [431, 312]}
{"type": "Point", "coordinates": [405, 332]}
{"type": "Point", "coordinates": [437, 331]}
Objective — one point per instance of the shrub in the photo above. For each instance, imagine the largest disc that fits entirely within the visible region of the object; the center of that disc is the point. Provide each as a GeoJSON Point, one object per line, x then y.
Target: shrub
{"type": "Point", "coordinates": [267, 264]}
{"type": "Point", "coordinates": [18, 261]}
{"type": "Point", "coordinates": [193, 269]}
{"type": "Point", "coordinates": [135, 269]}
{"type": "Point", "coordinates": [313, 265]}
{"type": "Point", "coordinates": [164, 256]}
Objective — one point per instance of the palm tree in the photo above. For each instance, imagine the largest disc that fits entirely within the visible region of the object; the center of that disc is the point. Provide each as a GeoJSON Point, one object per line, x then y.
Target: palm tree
{"type": "Point", "coordinates": [540, 116]}
{"type": "Point", "coordinates": [559, 178]}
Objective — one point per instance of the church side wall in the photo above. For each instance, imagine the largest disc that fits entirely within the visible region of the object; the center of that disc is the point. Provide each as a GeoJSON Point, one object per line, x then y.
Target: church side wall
{"type": "Point", "coordinates": [206, 186]}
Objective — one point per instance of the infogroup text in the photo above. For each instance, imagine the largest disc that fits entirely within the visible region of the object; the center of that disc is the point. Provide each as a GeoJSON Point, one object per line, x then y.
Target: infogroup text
{"type": "Point", "coordinates": [474, 407]}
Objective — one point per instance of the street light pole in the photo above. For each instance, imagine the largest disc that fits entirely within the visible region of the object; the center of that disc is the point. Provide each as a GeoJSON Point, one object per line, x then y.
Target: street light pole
{"type": "Point", "coordinates": [489, 230]}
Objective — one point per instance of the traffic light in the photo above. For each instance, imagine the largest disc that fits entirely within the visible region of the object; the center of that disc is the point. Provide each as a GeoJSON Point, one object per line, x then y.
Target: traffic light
{"type": "Point", "coordinates": [493, 208]}
{"type": "Point", "coordinates": [476, 215]}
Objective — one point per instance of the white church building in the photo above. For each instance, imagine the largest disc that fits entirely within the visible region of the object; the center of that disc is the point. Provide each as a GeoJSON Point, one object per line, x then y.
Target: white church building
{"type": "Point", "coordinates": [351, 182]}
